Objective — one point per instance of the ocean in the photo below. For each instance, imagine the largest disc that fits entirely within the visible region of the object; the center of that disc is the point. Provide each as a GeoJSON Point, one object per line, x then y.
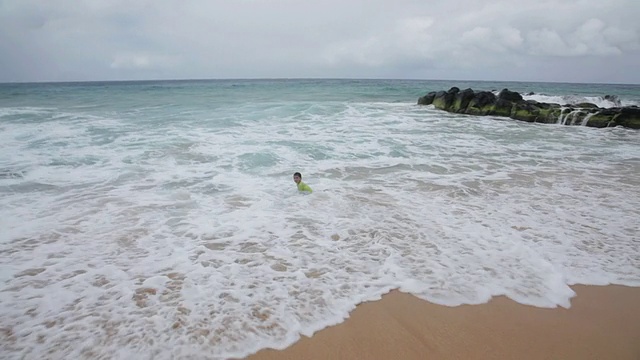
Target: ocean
{"type": "Point", "coordinates": [160, 220]}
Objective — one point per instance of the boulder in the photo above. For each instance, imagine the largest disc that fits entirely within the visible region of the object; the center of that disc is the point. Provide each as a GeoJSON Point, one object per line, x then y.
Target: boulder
{"type": "Point", "coordinates": [586, 106]}
{"type": "Point", "coordinates": [444, 99]}
{"type": "Point", "coordinates": [427, 99]}
{"type": "Point", "coordinates": [482, 103]}
{"type": "Point", "coordinates": [629, 117]}
{"type": "Point", "coordinates": [461, 101]}
{"type": "Point", "coordinates": [512, 96]}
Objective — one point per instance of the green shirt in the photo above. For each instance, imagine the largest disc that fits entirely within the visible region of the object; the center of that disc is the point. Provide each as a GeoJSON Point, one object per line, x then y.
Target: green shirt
{"type": "Point", "coordinates": [304, 187]}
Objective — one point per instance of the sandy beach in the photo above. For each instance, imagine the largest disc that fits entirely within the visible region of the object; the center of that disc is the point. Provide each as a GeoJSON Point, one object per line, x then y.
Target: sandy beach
{"type": "Point", "coordinates": [602, 323]}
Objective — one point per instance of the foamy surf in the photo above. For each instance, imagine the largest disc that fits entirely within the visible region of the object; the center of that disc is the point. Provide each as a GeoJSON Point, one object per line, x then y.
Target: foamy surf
{"type": "Point", "coordinates": [605, 101]}
{"type": "Point", "coordinates": [176, 232]}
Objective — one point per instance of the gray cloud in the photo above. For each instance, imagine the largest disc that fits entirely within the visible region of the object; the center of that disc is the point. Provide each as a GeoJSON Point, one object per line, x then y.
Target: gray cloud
{"type": "Point", "coordinates": [580, 40]}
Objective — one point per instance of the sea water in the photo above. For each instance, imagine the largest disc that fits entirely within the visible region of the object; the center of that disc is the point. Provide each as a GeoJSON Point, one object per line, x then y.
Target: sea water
{"type": "Point", "coordinates": [160, 219]}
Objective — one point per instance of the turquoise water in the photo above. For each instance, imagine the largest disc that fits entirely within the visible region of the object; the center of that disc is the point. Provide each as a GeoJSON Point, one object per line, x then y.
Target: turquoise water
{"type": "Point", "coordinates": [160, 219]}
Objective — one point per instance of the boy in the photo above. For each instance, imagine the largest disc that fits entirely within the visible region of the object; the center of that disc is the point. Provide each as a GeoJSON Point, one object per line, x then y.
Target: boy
{"type": "Point", "coordinates": [297, 178]}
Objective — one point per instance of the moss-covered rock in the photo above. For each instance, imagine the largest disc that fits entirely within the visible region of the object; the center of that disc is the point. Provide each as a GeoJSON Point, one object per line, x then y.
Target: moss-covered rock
{"type": "Point", "coordinates": [511, 104]}
{"type": "Point", "coordinates": [482, 103]}
{"type": "Point", "coordinates": [461, 100]}
{"type": "Point", "coordinates": [427, 99]}
{"type": "Point", "coordinates": [525, 111]}
{"type": "Point", "coordinates": [548, 114]}
{"type": "Point", "coordinates": [629, 117]}
{"type": "Point", "coordinates": [508, 95]}
{"type": "Point", "coordinates": [602, 119]}
{"type": "Point", "coordinates": [599, 121]}
{"type": "Point", "coordinates": [439, 100]}
{"type": "Point", "coordinates": [577, 117]}
{"type": "Point", "coordinates": [480, 111]}
{"type": "Point", "coordinates": [501, 108]}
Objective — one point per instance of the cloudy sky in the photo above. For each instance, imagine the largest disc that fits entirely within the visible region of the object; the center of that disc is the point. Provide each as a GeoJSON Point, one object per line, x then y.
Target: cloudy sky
{"type": "Point", "coordinates": [532, 40]}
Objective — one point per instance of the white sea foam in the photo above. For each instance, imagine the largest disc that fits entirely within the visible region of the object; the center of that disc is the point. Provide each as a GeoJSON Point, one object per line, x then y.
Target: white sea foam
{"type": "Point", "coordinates": [155, 239]}
{"type": "Point", "coordinates": [600, 101]}
{"type": "Point", "coordinates": [26, 110]}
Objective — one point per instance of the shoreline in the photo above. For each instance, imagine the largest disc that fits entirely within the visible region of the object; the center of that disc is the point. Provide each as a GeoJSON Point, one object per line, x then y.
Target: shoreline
{"type": "Point", "coordinates": [603, 322]}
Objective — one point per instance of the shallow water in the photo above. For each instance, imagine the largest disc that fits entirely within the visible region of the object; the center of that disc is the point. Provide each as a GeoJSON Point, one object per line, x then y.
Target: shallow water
{"type": "Point", "coordinates": [160, 220]}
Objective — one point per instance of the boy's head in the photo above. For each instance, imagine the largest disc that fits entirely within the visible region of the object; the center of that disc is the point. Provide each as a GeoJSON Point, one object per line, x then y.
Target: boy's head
{"type": "Point", "coordinates": [297, 177]}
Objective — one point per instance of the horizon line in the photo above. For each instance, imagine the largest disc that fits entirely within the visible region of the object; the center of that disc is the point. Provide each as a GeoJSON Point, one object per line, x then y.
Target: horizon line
{"type": "Point", "coordinates": [302, 78]}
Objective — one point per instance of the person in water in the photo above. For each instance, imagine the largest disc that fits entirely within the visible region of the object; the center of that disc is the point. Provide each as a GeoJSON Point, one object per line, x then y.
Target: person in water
{"type": "Point", "coordinates": [297, 178]}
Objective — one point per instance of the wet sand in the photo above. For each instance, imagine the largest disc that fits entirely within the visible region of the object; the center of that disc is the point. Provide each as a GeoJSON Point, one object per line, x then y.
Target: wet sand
{"type": "Point", "coordinates": [602, 323]}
